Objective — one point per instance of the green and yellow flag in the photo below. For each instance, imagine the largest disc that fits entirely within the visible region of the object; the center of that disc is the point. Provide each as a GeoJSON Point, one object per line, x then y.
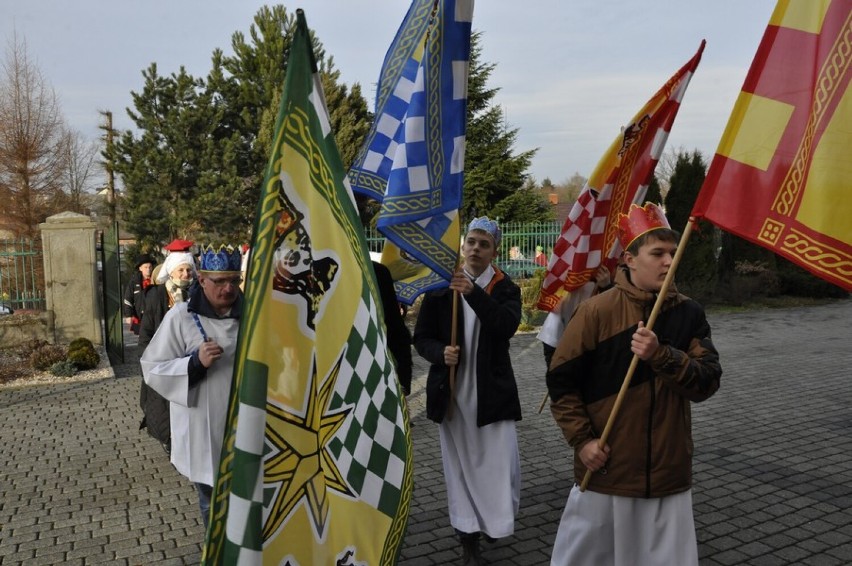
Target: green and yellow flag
{"type": "Point", "coordinates": [316, 467]}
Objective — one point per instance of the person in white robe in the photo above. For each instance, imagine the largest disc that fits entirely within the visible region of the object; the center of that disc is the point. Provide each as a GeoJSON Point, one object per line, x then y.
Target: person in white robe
{"type": "Point", "coordinates": [190, 362]}
{"type": "Point", "coordinates": [477, 413]}
{"type": "Point", "coordinates": [554, 325]}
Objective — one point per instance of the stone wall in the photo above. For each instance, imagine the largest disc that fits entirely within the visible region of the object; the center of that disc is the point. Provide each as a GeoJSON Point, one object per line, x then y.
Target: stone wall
{"type": "Point", "coordinates": [24, 326]}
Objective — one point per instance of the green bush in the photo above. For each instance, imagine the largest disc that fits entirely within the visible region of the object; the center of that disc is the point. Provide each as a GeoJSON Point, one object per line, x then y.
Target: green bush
{"type": "Point", "coordinates": [84, 358]}
{"type": "Point", "coordinates": [47, 355]}
{"type": "Point", "coordinates": [530, 289]}
{"type": "Point", "coordinates": [80, 343]}
{"type": "Point", "coordinates": [798, 282]}
{"type": "Point", "coordinates": [64, 368]}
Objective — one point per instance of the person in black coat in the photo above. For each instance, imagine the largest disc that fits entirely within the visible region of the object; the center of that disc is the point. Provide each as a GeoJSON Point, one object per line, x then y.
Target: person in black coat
{"type": "Point", "coordinates": [134, 293]}
{"type": "Point", "coordinates": [398, 336]}
{"type": "Point", "coordinates": [477, 411]}
{"type": "Point", "coordinates": [173, 280]}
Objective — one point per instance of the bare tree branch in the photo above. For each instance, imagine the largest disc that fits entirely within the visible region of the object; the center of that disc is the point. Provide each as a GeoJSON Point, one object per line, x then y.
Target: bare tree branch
{"type": "Point", "coordinates": [33, 143]}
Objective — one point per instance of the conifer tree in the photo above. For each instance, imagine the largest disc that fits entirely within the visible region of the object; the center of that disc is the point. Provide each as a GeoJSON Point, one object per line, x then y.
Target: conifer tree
{"type": "Point", "coordinates": [493, 172]}
{"type": "Point", "coordinates": [696, 274]}
{"type": "Point", "coordinates": [161, 167]}
{"type": "Point", "coordinates": [193, 168]}
{"type": "Point", "coordinates": [524, 205]}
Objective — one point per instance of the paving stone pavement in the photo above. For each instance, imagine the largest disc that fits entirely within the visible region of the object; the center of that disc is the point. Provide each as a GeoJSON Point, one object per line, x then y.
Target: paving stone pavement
{"type": "Point", "coordinates": [81, 484]}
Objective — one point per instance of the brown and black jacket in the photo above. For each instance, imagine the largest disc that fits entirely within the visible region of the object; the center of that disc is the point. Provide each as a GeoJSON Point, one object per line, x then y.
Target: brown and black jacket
{"type": "Point", "coordinates": [651, 439]}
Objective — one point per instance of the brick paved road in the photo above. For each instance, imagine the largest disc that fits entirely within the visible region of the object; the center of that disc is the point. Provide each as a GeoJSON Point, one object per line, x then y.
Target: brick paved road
{"type": "Point", "coordinates": [81, 485]}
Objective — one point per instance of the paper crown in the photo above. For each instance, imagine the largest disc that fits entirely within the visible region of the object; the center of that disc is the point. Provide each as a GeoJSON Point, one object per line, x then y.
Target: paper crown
{"type": "Point", "coordinates": [486, 225]}
{"type": "Point", "coordinates": [640, 220]}
{"type": "Point", "coordinates": [224, 259]}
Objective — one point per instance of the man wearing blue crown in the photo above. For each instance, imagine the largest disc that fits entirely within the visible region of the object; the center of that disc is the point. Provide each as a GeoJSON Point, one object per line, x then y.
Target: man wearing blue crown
{"type": "Point", "coordinates": [190, 362]}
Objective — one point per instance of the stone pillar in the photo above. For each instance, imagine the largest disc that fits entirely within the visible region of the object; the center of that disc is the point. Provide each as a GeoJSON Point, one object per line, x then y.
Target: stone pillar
{"type": "Point", "coordinates": [71, 276]}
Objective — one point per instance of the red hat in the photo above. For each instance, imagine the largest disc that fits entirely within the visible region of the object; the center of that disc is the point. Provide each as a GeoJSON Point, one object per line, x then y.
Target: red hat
{"type": "Point", "coordinates": [640, 220]}
{"type": "Point", "coordinates": [178, 245]}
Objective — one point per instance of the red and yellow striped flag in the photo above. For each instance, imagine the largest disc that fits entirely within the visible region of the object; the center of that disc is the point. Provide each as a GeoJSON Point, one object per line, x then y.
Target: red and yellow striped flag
{"type": "Point", "coordinates": [782, 175]}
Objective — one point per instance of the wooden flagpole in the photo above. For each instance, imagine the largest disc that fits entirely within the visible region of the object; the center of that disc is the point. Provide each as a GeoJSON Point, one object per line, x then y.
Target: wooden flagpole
{"type": "Point", "coordinates": [649, 325]}
{"type": "Point", "coordinates": [454, 338]}
{"type": "Point", "coordinates": [543, 401]}
{"type": "Point", "coordinates": [453, 341]}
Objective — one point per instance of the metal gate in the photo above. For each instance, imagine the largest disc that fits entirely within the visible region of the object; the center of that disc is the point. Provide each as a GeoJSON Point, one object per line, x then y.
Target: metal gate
{"type": "Point", "coordinates": [21, 275]}
{"type": "Point", "coordinates": [111, 274]}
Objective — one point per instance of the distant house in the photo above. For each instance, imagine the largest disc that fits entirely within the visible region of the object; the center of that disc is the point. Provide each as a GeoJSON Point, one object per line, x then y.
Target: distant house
{"type": "Point", "coordinates": [560, 209]}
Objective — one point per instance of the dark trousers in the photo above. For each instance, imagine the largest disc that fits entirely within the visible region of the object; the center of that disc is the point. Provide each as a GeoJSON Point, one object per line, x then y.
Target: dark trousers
{"type": "Point", "coordinates": [205, 492]}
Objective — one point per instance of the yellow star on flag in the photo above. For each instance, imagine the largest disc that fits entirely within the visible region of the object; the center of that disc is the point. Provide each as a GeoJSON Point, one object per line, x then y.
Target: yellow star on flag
{"type": "Point", "coordinates": [303, 469]}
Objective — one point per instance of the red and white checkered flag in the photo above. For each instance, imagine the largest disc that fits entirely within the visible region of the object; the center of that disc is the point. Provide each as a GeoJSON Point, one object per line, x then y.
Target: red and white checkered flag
{"type": "Point", "coordinates": [577, 252]}
{"type": "Point", "coordinates": [620, 179]}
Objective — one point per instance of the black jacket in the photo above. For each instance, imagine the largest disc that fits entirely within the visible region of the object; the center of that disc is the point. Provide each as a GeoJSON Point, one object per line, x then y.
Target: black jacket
{"type": "Point", "coordinates": [134, 300]}
{"type": "Point", "coordinates": [499, 311]}
{"type": "Point", "coordinates": [156, 307]}
{"type": "Point", "coordinates": [398, 336]}
{"type": "Point", "coordinates": [155, 408]}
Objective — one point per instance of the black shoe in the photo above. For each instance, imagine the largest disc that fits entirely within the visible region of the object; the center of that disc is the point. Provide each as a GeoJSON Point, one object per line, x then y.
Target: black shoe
{"type": "Point", "coordinates": [167, 446]}
{"type": "Point", "coordinates": [488, 539]}
{"type": "Point", "coordinates": [470, 549]}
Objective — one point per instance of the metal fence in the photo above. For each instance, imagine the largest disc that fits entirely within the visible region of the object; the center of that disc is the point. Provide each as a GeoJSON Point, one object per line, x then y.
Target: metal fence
{"type": "Point", "coordinates": [22, 274]}
{"type": "Point", "coordinates": [519, 249]}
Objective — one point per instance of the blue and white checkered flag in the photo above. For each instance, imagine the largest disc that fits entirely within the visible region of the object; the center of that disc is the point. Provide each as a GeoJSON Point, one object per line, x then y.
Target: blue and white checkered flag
{"type": "Point", "coordinates": [369, 174]}
{"type": "Point", "coordinates": [413, 158]}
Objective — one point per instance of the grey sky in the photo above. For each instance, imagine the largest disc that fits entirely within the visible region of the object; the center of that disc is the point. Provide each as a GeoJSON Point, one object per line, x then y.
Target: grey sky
{"type": "Point", "coordinates": [571, 72]}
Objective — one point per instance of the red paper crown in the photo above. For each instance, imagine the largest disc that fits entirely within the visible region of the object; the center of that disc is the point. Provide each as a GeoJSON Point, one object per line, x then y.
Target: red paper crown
{"type": "Point", "coordinates": [640, 220]}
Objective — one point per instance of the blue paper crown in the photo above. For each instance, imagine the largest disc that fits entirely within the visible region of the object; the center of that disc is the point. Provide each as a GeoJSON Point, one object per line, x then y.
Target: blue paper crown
{"type": "Point", "coordinates": [489, 226]}
{"type": "Point", "coordinates": [222, 259]}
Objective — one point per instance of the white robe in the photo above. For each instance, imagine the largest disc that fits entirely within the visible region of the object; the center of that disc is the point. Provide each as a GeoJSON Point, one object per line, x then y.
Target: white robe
{"type": "Point", "coordinates": [482, 466]}
{"type": "Point", "coordinates": [554, 325]}
{"type": "Point", "coordinates": [197, 415]}
{"type": "Point", "coordinates": [609, 530]}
